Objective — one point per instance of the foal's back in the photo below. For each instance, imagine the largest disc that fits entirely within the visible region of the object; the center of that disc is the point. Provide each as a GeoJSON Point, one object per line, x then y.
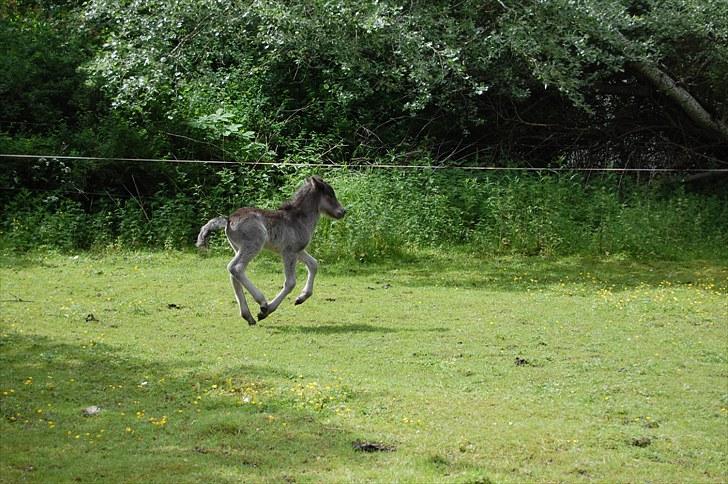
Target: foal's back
{"type": "Point", "coordinates": [277, 230]}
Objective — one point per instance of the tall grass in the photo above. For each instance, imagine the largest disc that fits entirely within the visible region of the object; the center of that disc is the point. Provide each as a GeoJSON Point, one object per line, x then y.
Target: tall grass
{"type": "Point", "coordinates": [396, 212]}
{"type": "Point", "coordinates": [532, 215]}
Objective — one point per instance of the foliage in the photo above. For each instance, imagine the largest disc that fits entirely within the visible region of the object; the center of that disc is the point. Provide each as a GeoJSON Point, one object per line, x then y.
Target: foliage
{"type": "Point", "coordinates": [39, 83]}
{"type": "Point", "coordinates": [47, 105]}
{"type": "Point", "coordinates": [376, 77]}
{"type": "Point", "coordinates": [393, 213]}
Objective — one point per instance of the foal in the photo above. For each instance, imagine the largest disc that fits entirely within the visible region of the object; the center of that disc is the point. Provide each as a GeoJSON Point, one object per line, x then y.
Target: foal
{"type": "Point", "coordinates": [287, 231]}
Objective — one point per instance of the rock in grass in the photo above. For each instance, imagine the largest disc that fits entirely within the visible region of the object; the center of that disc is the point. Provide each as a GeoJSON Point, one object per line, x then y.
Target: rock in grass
{"type": "Point", "coordinates": [91, 411]}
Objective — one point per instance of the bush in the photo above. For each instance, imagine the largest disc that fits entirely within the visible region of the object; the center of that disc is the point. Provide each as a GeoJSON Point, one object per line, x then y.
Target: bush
{"type": "Point", "coordinates": [393, 213]}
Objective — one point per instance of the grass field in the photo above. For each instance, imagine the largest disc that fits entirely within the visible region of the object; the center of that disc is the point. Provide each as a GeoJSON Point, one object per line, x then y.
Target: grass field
{"type": "Point", "coordinates": [458, 369]}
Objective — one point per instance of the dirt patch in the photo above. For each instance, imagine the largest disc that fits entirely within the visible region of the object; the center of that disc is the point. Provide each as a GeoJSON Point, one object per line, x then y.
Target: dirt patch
{"type": "Point", "coordinates": [368, 446]}
{"type": "Point", "coordinates": [641, 441]}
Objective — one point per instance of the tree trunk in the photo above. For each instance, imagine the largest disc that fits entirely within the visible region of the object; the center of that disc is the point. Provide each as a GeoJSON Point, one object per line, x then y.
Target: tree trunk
{"type": "Point", "coordinates": [687, 102]}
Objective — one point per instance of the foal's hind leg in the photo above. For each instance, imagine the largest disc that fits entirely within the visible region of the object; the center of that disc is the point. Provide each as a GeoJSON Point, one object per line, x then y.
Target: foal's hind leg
{"type": "Point", "coordinates": [246, 239]}
{"type": "Point", "coordinates": [242, 303]}
{"type": "Point", "coordinates": [236, 267]}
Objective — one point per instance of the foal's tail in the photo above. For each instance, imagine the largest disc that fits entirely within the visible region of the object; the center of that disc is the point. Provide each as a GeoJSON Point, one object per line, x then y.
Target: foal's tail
{"type": "Point", "coordinates": [214, 224]}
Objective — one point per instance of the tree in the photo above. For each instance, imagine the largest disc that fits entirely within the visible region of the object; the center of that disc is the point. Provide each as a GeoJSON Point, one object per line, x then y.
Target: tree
{"type": "Point", "coordinates": [613, 82]}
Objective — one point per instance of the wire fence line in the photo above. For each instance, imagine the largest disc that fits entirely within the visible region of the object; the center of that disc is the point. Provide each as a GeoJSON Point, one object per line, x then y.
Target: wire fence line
{"type": "Point", "coordinates": [362, 166]}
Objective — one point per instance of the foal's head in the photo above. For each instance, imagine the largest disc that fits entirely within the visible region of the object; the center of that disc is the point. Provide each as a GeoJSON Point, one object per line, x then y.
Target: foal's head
{"type": "Point", "coordinates": [329, 205]}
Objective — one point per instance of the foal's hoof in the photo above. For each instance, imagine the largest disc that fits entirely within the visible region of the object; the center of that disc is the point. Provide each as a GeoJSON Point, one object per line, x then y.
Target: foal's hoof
{"type": "Point", "coordinates": [250, 319]}
{"type": "Point", "coordinates": [263, 312]}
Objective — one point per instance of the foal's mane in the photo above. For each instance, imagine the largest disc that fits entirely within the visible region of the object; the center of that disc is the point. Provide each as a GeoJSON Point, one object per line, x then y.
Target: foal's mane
{"type": "Point", "coordinates": [297, 200]}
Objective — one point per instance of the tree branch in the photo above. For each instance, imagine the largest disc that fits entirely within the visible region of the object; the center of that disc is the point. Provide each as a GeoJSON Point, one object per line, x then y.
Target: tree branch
{"type": "Point", "coordinates": [694, 110]}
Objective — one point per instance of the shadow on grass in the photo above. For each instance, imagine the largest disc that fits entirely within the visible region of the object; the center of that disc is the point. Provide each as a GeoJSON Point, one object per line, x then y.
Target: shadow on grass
{"type": "Point", "coordinates": [15, 260]}
{"type": "Point", "coordinates": [328, 329]}
{"type": "Point", "coordinates": [522, 273]}
{"type": "Point", "coordinates": [462, 270]}
{"type": "Point", "coordinates": [156, 419]}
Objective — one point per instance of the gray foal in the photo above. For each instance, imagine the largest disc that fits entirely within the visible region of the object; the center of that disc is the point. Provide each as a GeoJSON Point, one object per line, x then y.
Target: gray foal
{"type": "Point", "coordinates": [287, 231]}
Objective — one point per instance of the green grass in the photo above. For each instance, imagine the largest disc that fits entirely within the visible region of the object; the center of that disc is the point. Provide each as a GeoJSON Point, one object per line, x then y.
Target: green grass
{"type": "Point", "coordinates": [493, 370]}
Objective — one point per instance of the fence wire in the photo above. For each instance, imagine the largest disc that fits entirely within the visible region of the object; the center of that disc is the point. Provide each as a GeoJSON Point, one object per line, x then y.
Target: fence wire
{"type": "Point", "coordinates": [365, 166]}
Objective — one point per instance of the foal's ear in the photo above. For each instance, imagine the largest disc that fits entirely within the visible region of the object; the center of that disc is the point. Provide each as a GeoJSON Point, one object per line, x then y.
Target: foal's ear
{"type": "Point", "coordinates": [317, 181]}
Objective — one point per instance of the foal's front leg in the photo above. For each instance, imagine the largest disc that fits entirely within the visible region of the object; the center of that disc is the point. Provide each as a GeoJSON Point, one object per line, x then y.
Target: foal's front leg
{"type": "Point", "coordinates": [311, 267]}
{"type": "Point", "coordinates": [289, 269]}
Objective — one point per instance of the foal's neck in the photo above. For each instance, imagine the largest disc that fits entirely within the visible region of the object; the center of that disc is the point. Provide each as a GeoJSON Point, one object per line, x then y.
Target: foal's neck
{"type": "Point", "coordinates": [307, 210]}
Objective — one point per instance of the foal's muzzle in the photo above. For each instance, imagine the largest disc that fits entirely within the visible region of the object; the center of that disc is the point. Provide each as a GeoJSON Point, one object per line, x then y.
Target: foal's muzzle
{"type": "Point", "coordinates": [340, 213]}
